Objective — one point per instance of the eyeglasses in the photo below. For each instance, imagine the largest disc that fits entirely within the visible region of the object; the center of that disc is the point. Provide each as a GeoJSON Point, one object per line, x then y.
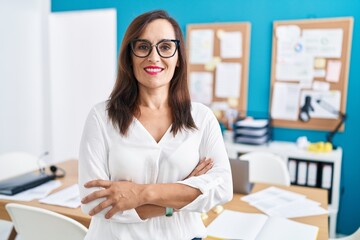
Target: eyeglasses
{"type": "Point", "coordinates": [166, 48]}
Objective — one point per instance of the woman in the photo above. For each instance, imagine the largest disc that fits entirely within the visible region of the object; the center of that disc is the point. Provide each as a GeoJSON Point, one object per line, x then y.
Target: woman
{"type": "Point", "coordinates": [149, 150]}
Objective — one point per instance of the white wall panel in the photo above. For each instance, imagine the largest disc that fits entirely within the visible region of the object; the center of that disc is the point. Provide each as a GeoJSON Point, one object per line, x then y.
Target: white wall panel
{"type": "Point", "coordinates": [82, 72]}
{"type": "Point", "coordinates": [22, 74]}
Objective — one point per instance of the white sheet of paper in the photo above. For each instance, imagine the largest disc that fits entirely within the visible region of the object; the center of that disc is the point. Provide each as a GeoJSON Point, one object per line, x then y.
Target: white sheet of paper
{"type": "Point", "coordinates": [236, 225]}
{"type": "Point", "coordinates": [231, 45]}
{"type": "Point", "coordinates": [201, 87]}
{"type": "Point", "coordinates": [323, 42]}
{"type": "Point", "coordinates": [288, 51]}
{"type": "Point", "coordinates": [278, 228]}
{"type": "Point", "coordinates": [269, 193]}
{"type": "Point", "coordinates": [319, 73]}
{"type": "Point", "coordinates": [333, 71]}
{"type": "Point", "coordinates": [321, 86]}
{"type": "Point", "coordinates": [282, 199]}
{"type": "Point", "coordinates": [68, 197]}
{"type": "Point", "coordinates": [285, 101]}
{"type": "Point", "coordinates": [201, 46]}
{"type": "Point", "coordinates": [330, 103]}
{"type": "Point", "coordinates": [288, 33]}
{"type": "Point", "coordinates": [300, 208]}
{"type": "Point", "coordinates": [34, 193]}
{"type": "Point", "coordinates": [299, 68]}
{"type": "Point", "coordinates": [282, 203]}
{"type": "Point", "coordinates": [228, 80]}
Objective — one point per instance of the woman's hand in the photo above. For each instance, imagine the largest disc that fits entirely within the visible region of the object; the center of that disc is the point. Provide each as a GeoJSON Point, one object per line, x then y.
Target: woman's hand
{"type": "Point", "coordinates": [203, 166]}
{"type": "Point", "coordinates": [121, 195]}
{"type": "Point", "coordinates": [124, 195]}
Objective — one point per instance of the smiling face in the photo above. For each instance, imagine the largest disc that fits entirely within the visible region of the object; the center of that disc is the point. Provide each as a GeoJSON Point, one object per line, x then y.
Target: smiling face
{"type": "Point", "coordinates": [154, 72]}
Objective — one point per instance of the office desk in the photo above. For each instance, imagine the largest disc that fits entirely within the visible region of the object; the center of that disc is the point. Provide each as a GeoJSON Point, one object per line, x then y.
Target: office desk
{"type": "Point", "coordinates": [71, 169]}
{"type": "Point", "coordinates": [315, 194]}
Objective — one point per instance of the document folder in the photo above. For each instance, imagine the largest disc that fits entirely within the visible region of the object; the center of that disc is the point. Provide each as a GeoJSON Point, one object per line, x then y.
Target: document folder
{"type": "Point", "coordinates": [23, 182]}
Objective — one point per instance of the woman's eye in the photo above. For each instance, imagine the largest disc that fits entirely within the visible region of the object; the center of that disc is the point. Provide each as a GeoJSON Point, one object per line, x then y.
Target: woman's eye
{"type": "Point", "coordinates": [165, 47]}
{"type": "Point", "coordinates": [143, 47]}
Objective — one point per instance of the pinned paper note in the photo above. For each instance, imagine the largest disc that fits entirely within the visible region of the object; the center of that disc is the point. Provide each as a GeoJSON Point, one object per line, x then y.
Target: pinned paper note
{"type": "Point", "coordinates": [202, 46]}
{"type": "Point", "coordinates": [319, 63]}
{"type": "Point", "coordinates": [299, 68]}
{"type": "Point", "coordinates": [233, 102]}
{"type": "Point", "coordinates": [285, 101]}
{"type": "Point", "coordinates": [325, 104]}
{"type": "Point", "coordinates": [319, 73]}
{"type": "Point", "coordinates": [201, 87]}
{"type": "Point", "coordinates": [333, 71]}
{"type": "Point", "coordinates": [321, 86]}
{"type": "Point", "coordinates": [231, 45]}
{"type": "Point", "coordinates": [220, 33]}
{"type": "Point", "coordinates": [323, 42]}
{"type": "Point", "coordinates": [210, 66]}
{"type": "Point", "coordinates": [228, 80]}
{"type": "Point", "coordinates": [288, 33]}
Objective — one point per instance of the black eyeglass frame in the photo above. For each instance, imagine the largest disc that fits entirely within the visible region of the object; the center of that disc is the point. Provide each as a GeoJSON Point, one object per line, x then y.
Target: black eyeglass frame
{"type": "Point", "coordinates": [177, 44]}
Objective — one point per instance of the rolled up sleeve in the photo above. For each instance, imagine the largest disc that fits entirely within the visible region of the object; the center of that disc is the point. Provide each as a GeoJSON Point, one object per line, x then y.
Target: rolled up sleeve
{"type": "Point", "coordinates": [93, 164]}
{"type": "Point", "coordinates": [216, 184]}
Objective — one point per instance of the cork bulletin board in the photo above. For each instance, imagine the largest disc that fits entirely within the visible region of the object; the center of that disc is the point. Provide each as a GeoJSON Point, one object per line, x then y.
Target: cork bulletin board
{"type": "Point", "coordinates": [309, 72]}
{"type": "Point", "coordinates": [218, 60]}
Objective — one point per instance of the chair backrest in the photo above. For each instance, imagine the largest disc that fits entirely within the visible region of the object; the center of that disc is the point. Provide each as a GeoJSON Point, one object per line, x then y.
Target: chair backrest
{"type": "Point", "coordinates": [267, 167]}
{"type": "Point", "coordinates": [33, 223]}
{"type": "Point", "coordinates": [17, 163]}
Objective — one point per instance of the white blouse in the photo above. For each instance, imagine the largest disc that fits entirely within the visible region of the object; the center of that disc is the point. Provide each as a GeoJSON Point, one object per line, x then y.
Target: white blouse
{"type": "Point", "coordinates": [106, 154]}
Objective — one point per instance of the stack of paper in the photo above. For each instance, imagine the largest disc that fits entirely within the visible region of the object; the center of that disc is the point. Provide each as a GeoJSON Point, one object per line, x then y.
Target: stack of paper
{"type": "Point", "coordinates": [278, 202]}
{"type": "Point", "coordinates": [252, 131]}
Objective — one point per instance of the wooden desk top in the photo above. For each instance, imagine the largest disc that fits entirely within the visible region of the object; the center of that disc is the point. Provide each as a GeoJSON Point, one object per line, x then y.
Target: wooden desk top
{"type": "Point", "coordinates": [71, 168]}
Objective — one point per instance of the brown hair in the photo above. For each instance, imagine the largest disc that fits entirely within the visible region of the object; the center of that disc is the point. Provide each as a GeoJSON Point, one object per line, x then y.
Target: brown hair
{"type": "Point", "coordinates": [123, 103]}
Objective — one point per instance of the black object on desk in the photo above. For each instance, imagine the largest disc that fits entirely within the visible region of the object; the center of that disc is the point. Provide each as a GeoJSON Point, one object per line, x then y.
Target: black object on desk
{"type": "Point", "coordinates": [24, 182]}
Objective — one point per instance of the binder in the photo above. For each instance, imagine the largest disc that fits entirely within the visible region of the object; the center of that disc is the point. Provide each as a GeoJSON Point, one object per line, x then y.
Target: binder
{"type": "Point", "coordinates": [24, 182]}
{"type": "Point", "coordinates": [312, 172]}
{"type": "Point", "coordinates": [301, 180]}
{"type": "Point", "coordinates": [326, 176]}
{"type": "Point", "coordinates": [292, 170]}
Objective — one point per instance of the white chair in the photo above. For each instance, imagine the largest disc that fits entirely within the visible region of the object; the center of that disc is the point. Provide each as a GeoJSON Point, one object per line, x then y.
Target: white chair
{"type": "Point", "coordinates": [17, 163]}
{"type": "Point", "coordinates": [34, 223]}
{"type": "Point", "coordinates": [13, 164]}
{"type": "Point", "coordinates": [267, 167]}
{"type": "Point", "coordinates": [354, 236]}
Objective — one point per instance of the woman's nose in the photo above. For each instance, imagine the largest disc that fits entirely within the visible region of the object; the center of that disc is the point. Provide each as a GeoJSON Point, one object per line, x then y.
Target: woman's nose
{"type": "Point", "coordinates": [154, 55]}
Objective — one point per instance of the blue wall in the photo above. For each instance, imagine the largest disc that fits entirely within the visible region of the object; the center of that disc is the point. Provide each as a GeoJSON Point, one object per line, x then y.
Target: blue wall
{"type": "Point", "coordinates": [261, 14]}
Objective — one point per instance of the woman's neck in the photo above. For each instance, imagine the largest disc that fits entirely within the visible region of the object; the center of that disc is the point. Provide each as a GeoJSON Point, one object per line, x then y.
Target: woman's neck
{"type": "Point", "coordinates": [154, 100]}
